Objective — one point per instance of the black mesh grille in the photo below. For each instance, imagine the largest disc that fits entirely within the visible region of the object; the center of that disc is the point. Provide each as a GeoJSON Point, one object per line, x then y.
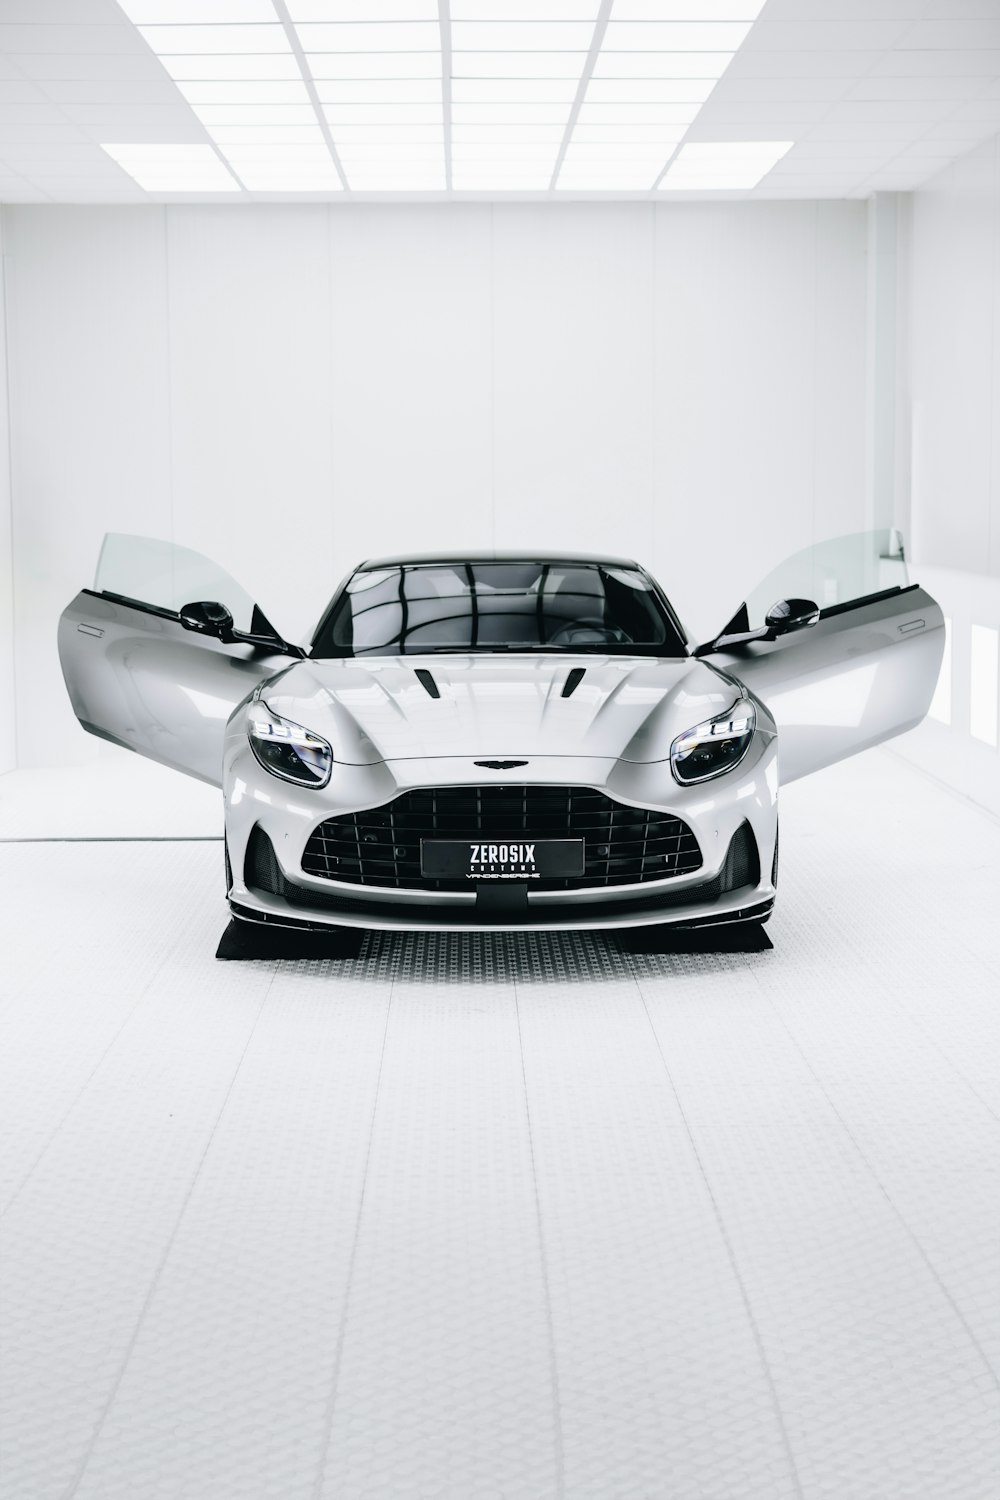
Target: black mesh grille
{"type": "Point", "coordinates": [622, 845]}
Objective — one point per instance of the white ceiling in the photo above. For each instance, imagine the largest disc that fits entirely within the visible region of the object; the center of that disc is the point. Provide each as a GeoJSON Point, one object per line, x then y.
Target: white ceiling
{"type": "Point", "coordinates": [362, 99]}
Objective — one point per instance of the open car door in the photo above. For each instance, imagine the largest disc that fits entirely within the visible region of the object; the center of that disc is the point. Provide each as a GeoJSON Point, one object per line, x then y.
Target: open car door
{"type": "Point", "coordinates": [841, 648]}
{"type": "Point", "coordinates": [138, 675]}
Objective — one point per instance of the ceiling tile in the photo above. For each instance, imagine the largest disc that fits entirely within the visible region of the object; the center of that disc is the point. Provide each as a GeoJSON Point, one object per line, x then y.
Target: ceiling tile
{"type": "Point", "coordinates": [785, 90]}
{"type": "Point", "coordinates": [872, 92]}
{"type": "Point", "coordinates": [65, 159]}
{"type": "Point", "coordinates": [20, 93]}
{"type": "Point", "coordinates": [826, 36]}
{"type": "Point", "coordinates": [229, 91]}
{"type": "Point", "coordinates": [907, 62]}
{"type": "Point", "coordinates": [650, 64]}
{"type": "Point", "coordinates": [216, 39]}
{"type": "Point", "coordinates": [92, 66]}
{"type": "Point", "coordinates": [31, 114]}
{"type": "Point", "coordinates": [403, 36]}
{"type": "Point", "coordinates": [535, 35]}
{"type": "Point", "coordinates": [818, 152]}
{"type": "Point", "coordinates": [385, 91]}
{"type": "Point", "coordinates": [91, 189]}
{"type": "Point", "coordinates": [42, 135]}
{"type": "Point", "coordinates": [960, 134]}
{"type": "Point", "coordinates": [173, 115]}
{"type": "Point", "coordinates": [190, 134]}
{"type": "Point", "coordinates": [754, 63]}
{"type": "Point", "coordinates": [674, 36]}
{"type": "Point", "coordinates": [70, 40]}
{"type": "Point", "coordinates": [250, 65]}
{"type": "Point", "coordinates": [939, 35]}
{"type": "Point", "coordinates": [833, 129]}
{"type": "Point", "coordinates": [798, 116]}
{"type": "Point", "coordinates": [896, 180]}
{"type": "Point", "coordinates": [904, 111]}
{"type": "Point", "coordinates": [523, 10]}
{"type": "Point", "coordinates": [847, 10]}
{"type": "Point", "coordinates": [986, 111]}
{"type": "Point", "coordinates": [953, 89]}
{"type": "Point", "coordinates": [364, 10]}
{"type": "Point", "coordinates": [684, 10]}
{"type": "Point", "coordinates": [96, 91]}
{"type": "Point", "coordinates": [188, 12]}
{"type": "Point", "coordinates": [704, 134]}
{"type": "Point", "coordinates": [60, 12]}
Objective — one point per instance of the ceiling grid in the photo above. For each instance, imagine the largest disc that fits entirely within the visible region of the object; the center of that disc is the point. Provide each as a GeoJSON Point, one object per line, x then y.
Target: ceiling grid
{"type": "Point", "coordinates": [439, 99]}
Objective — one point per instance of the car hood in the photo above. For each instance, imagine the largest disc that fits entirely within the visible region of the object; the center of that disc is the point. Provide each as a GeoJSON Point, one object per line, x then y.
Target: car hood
{"type": "Point", "coordinates": [510, 706]}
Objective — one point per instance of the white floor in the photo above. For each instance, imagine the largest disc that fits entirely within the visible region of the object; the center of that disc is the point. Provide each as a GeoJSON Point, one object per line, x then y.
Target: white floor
{"type": "Point", "coordinates": [508, 1217]}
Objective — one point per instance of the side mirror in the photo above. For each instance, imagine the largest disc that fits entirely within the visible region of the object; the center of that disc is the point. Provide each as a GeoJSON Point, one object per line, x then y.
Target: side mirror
{"type": "Point", "coordinates": [791, 614]}
{"type": "Point", "coordinates": [207, 617]}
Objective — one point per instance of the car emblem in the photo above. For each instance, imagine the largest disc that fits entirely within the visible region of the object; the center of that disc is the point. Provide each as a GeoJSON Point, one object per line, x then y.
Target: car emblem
{"type": "Point", "coordinates": [500, 765]}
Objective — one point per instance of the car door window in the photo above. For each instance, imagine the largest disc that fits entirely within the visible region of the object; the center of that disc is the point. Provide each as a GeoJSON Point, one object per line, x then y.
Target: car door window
{"type": "Point", "coordinates": [163, 576]}
{"type": "Point", "coordinates": [838, 571]}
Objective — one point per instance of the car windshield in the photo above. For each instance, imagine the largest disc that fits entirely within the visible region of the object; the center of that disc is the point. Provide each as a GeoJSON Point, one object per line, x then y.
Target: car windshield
{"type": "Point", "coordinates": [423, 608]}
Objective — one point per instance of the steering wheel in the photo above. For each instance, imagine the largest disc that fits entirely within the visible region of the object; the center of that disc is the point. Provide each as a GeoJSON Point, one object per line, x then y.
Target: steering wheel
{"type": "Point", "coordinates": [587, 633]}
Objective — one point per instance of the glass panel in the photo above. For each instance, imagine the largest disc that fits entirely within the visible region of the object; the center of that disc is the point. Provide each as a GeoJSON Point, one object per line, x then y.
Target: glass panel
{"type": "Point", "coordinates": [833, 572]}
{"type": "Point", "coordinates": [162, 574]}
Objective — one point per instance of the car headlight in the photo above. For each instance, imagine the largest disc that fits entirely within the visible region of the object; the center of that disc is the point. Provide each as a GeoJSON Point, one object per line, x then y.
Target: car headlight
{"type": "Point", "coordinates": [714, 747]}
{"type": "Point", "coordinates": [286, 749]}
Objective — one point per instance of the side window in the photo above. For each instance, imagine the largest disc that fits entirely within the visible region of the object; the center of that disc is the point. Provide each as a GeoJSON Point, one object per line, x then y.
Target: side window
{"type": "Point", "coordinates": [838, 571]}
{"type": "Point", "coordinates": [165, 576]}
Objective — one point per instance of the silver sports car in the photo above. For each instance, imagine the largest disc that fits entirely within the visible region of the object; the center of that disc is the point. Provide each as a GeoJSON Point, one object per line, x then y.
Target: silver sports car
{"type": "Point", "coordinates": [502, 739]}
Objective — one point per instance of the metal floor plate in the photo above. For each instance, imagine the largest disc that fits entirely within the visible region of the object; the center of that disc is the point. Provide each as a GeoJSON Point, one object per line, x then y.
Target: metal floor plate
{"type": "Point", "coordinates": [509, 1217]}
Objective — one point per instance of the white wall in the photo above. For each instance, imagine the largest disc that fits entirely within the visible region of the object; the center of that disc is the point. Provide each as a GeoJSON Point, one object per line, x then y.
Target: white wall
{"type": "Point", "coordinates": [8, 738]}
{"type": "Point", "coordinates": [289, 389]}
{"type": "Point", "coordinates": [949, 411]}
{"type": "Point", "coordinates": [954, 364]}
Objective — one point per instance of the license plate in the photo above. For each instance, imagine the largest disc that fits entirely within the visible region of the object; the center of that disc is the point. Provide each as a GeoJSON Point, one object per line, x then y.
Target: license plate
{"type": "Point", "coordinates": [517, 859]}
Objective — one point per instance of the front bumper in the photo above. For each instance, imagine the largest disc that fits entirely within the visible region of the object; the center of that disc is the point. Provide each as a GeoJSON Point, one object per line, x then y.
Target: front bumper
{"type": "Point", "coordinates": [716, 812]}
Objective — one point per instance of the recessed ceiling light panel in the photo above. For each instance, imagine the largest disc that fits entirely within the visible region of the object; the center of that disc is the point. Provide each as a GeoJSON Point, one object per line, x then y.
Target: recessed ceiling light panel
{"type": "Point", "coordinates": [224, 40]}
{"type": "Point", "coordinates": [379, 91]}
{"type": "Point", "coordinates": [259, 92]}
{"type": "Point", "coordinates": [687, 10]}
{"type": "Point", "coordinates": [521, 36]}
{"type": "Point", "coordinates": [197, 12]}
{"type": "Point", "coordinates": [649, 90]}
{"type": "Point", "coordinates": [334, 65]}
{"type": "Point", "coordinates": [211, 115]}
{"type": "Point", "coordinates": [513, 90]}
{"type": "Point", "coordinates": [523, 10]}
{"type": "Point", "coordinates": [662, 64]}
{"type": "Point", "coordinates": [215, 66]}
{"type": "Point", "coordinates": [362, 10]}
{"type": "Point", "coordinates": [517, 64]}
{"type": "Point", "coordinates": [674, 36]}
{"type": "Point", "coordinates": [380, 36]}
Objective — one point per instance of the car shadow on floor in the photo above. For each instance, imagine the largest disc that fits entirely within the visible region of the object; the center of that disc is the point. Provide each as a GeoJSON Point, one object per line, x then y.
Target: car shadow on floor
{"type": "Point", "coordinates": [501, 957]}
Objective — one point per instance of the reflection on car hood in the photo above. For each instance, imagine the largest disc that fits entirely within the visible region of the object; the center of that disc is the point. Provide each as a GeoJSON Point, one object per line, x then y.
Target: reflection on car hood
{"type": "Point", "coordinates": [502, 706]}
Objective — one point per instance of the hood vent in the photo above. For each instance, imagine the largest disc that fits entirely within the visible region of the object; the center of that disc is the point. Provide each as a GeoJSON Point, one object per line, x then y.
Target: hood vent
{"type": "Point", "coordinates": [427, 681]}
{"type": "Point", "coordinates": [573, 679]}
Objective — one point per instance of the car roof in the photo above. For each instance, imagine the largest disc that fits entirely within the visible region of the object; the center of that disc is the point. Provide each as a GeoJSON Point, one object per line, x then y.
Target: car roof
{"type": "Point", "coordinates": [538, 555]}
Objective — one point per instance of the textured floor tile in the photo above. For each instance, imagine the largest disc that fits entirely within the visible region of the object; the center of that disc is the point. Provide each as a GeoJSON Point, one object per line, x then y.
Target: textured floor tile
{"type": "Point", "coordinates": [508, 1217]}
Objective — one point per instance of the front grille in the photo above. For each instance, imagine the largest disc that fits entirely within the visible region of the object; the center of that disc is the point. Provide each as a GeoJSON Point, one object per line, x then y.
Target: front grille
{"type": "Point", "coordinates": [622, 845]}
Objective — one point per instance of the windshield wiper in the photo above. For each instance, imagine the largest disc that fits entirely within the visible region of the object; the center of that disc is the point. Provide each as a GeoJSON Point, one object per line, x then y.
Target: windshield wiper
{"type": "Point", "coordinates": [481, 650]}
